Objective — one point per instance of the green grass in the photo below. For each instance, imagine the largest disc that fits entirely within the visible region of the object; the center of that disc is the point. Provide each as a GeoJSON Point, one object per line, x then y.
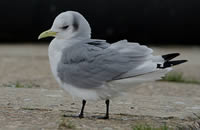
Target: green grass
{"type": "Point", "coordinates": [66, 124]}
{"type": "Point", "coordinates": [147, 127]}
{"type": "Point", "coordinates": [19, 84]}
{"type": "Point", "coordinates": [178, 77]}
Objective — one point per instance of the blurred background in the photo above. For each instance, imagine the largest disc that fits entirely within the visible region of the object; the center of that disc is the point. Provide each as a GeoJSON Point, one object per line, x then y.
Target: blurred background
{"type": "Point", "coordinates": [146, 21]}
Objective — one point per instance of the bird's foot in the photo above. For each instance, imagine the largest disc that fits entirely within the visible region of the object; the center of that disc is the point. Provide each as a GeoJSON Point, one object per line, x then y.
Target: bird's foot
{"type": "Point", "coordinates": [81, 116]}
{"type": "Point", "coordinates": [103, 117]}
{"type": "Point", "coordinates": [74, 116]}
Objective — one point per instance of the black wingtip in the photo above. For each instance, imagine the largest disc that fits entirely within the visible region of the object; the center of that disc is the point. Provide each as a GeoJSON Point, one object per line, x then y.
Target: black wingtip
{"type": "Point", "coordinates": [176, 62]}
{"type": "Point", "coordinates": [171, 63]}
{"type": "Point", "coordinates": [168, 57]}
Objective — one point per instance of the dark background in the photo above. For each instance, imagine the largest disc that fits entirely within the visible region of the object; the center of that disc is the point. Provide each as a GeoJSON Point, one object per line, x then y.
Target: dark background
{"type": "Point", "coordinates": [145, 21]}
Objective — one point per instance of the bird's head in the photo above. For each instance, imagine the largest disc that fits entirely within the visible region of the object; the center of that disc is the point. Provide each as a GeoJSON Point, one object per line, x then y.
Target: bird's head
{"type": "Point", "coordinates": [68, 25]}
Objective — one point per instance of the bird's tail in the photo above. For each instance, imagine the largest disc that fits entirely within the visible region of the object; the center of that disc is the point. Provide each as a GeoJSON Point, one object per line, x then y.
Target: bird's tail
{"type": "Point", "coordinates": [156, 68]}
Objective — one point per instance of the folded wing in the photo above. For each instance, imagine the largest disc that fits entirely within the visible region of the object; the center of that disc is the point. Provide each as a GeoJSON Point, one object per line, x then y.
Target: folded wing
{"type": "Point", "coordinates": [95, 62]}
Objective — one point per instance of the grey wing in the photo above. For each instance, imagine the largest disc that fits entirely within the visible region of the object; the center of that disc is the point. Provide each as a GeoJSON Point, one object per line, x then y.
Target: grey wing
{"type": "Point", "coordinates": [92, 64]}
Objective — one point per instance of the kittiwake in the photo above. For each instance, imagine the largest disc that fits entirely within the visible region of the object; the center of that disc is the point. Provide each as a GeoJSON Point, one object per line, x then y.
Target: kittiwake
{"type": "Point", "coordinates": [93, 69]}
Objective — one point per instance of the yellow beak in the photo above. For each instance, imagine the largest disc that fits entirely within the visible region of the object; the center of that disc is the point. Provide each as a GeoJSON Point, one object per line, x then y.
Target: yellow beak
{"type": "Point", "coordinates": [47, 33]}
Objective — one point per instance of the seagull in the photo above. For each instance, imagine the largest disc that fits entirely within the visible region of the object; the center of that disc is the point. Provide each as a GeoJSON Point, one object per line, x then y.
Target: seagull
{"type": "Point", "coordinates": [93, 69]}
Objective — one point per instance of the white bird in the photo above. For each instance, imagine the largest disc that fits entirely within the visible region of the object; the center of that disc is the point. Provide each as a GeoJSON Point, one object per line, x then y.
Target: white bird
{"type": "Point", "coordinates": [94, 69]}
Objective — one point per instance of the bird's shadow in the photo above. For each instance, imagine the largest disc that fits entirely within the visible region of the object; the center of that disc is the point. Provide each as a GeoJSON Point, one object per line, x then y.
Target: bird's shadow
{"type": "Point", "coordinates": [95, 117]}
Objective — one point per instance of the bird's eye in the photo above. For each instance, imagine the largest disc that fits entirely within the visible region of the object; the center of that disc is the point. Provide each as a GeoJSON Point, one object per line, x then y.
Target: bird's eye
{"type": "Point", "coordinates": [65, 27]}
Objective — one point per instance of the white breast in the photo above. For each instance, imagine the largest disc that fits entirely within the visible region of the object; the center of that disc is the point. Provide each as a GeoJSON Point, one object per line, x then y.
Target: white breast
{"type": "Point", "coordinates": [55, 53]}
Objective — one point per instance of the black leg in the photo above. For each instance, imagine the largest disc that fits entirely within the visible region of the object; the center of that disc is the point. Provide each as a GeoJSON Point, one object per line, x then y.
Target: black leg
{"type": "Point", "coordinates": [107, 110]}
{"type": "Point", "coordinates": [81, 115]}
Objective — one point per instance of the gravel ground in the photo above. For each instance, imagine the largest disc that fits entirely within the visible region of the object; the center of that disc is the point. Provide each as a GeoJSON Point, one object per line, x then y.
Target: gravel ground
{"type": "Point", "coordinates": [31, 99]}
